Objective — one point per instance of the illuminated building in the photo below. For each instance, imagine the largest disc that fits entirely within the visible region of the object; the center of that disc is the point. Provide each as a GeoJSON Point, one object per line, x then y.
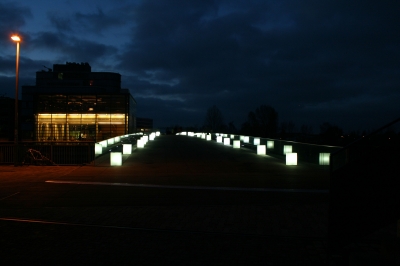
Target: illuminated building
{"type": "Point", "coordinates": [144, 124]}
{"type": "Point", "coordinates": [72, 103]}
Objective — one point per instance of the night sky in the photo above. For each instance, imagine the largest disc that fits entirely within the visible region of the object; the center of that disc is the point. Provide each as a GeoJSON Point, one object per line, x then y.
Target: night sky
{"type": "Point", "coordinates": [313, 61]}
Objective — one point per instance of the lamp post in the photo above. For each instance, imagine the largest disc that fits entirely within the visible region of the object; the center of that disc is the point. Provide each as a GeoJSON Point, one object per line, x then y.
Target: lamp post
{"type": "Point", "coordinates": [16, 39]}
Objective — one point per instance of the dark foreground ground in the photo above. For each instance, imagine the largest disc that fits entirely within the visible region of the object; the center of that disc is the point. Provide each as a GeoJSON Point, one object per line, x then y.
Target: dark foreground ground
{"type": "Point", "coordinates": [178, 201]}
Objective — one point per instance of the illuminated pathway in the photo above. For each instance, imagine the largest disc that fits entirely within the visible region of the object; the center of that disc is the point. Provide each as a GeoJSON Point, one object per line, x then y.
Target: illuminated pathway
{"type": "Point", "coordinates": [177, 201]}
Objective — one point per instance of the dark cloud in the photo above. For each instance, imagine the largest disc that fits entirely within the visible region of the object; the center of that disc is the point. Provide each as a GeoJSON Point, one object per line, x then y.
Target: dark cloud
{"type": "Point", "coordinates": [71, 48]}
{"type": "Point", "coordinates": [12, 18]}
{"type": "Point", "coordinates": [304, 57]}
{"type": "Point", "coordinates": [313, 61]}
{"type": "Point", "coordinates": [89, 23]}
{"type": "Point", "coordinates": [99, 21]}
{"type": "Point", "coordinates": [60, 23]}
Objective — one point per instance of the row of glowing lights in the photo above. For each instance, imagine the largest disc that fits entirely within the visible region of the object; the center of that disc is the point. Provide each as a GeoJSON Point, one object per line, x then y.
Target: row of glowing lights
{"type": "Point", "coordinates": [48, 116]}
{"type": "Point", "coordinates": [116, 157]}
{"type": "Point", "coordinates": [291, 157]}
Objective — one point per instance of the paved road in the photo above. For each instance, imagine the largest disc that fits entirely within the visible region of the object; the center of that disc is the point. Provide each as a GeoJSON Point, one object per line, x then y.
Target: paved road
{"type": "Point", "coordinates": [180, 200]}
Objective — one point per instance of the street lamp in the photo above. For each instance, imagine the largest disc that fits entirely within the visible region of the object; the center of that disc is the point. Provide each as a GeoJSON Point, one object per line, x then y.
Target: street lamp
{"type": "Point", "coordinates": [16, 39]}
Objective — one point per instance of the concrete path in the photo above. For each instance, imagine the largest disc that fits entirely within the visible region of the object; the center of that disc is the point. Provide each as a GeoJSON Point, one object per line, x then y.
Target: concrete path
{"type": "Point", "coordinates": [180, 200]}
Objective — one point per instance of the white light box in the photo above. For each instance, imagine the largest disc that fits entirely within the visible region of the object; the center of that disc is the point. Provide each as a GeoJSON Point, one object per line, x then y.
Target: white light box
{"type": "Point", "coordinates": [287, 149]}
{"type": "Point", "coordinates": [261, 149]}
{"type": "Point", "coordinates": [208, 137]}
{"type": "Point", "coordinates": [152, 136]}
{"type": "Point", "coordinates": [227, 141]}
{"type": "Point", "coordinates": [324, 158]}
{"type": "Point", "coordinates": [140, 143]}
{"type": "Point", "coordinates": [110, 141]}
{"type": "Point", "coordinates": [232, 136]}
{"type": "Point", "coordinates": [117, 139]}
{"type": "Point", "coordinates": [256, 141]}
{"type": "Point", "coordinates": [158, 133]}
{"type": "Point", "coordinates": [126, 148]}
{"type": "Point", "coordinates": [219, 139]}
{"type": "Point", "coordinates": [103, 143]}
{"type": "Point", "coordinates": [98, 148]}
{"type": "Point", "coordinates": [246, 139]}
{"type": "Point", "coordinates": [236, 144]}
{"type": "Point", "coordinates": [115, 158]}
{"type": "Point", "coordinates": [291, 158]}
{"type": "Point", "coordinates": [270, 144]}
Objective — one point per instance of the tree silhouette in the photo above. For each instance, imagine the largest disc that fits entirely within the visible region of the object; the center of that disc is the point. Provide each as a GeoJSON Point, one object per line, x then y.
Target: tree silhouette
{"type": "Point", "coordinates": [214, 121]}
{"type": "Point", "coordinates": [263, 122]}
{"type": "Point", "coordinates": [330, 134]}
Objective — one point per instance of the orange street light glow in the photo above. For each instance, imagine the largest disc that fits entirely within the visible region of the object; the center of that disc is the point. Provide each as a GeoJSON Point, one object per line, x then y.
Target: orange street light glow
{"type": "Point", "coordinates": [15, 38]}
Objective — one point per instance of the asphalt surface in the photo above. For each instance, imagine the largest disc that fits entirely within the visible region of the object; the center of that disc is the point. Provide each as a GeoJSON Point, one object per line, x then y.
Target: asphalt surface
{"type": "Point", "coordinates": [178, 201]}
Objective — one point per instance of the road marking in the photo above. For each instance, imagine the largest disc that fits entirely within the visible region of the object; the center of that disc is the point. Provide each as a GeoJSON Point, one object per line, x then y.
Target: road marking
{"type": "Point", "coordinates": [290, 190]}
{"type": "Point", "coordinates": [9, 196]}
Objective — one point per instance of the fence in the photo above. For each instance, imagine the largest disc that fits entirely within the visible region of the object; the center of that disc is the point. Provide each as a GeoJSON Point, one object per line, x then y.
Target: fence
{"type": "Point", "coordinates": [61, 152]}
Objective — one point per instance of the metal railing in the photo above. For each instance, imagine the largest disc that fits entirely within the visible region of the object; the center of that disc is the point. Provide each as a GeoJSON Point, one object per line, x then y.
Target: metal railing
{"type": "Point", "coordinates": [363, 145]}
{"type": "Point", "coordinates": [59, 152]}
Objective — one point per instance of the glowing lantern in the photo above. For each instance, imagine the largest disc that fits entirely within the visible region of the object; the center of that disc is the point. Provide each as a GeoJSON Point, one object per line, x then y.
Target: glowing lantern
{"type": "Point", "coordinates": [208, 137]}
{"type": "Point", "coordinates": [261, 149]}
{"type": "Point", "coordinates": [104, 143]}
{"type": "Point", "coordinates": [287, 149]}
{"type": "Point", "coordinates": [291, 158]}
{"type": "Point", "coordinates": [117, 139]}
{"type": "Point", "coordinates": [126, 148]}
{"type": "Point", "coordinates": [270, 144]}
{"type": "Point", "coordinates": [140, 143]}
{"type": "Point", "coordinates": [324, 158]}
{"type": "Point", "coordinates": [219, 139]}
{"type": "Point", "coordinates": [152, 136]}
{"type": "Point", "coordinates": [227, 141]}
{"type": "Point", "coordinates": [256, 141]}
{"type": "Point", "coordinates": [236, 144]}
{"type": "Point", "coordinates": [158, 133]}
{"type": "Point", "coordinates": [98, 148]}
{"type": "Point", "coordinates": [110, 141]}
{"type": "Point", "coordinates": [246, 139]}
{"type": "Point", "coordinates": [115, 158]}
{"type": "Point", "coordinates": [232, 136]}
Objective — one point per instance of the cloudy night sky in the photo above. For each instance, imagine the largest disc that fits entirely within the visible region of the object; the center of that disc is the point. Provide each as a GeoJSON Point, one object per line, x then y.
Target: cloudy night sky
{"type": "Point", "coordinates": [313, 61]}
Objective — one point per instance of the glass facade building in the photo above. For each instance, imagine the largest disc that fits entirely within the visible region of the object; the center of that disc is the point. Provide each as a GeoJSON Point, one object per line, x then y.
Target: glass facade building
{"type": "Point", "coordinates": [71, 103]}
